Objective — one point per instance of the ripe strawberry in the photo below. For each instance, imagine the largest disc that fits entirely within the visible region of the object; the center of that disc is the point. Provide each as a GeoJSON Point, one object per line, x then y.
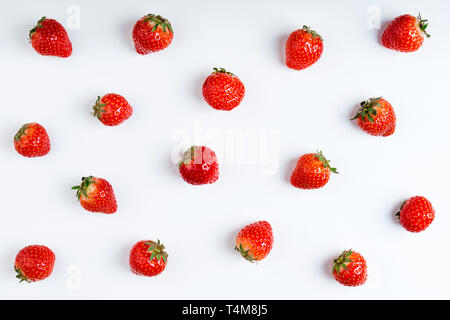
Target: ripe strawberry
{"type": "Point", "coordinates": [255, 241]}
{"type": "Point", "coordinates": [416, 214]}
{"type": "Point", "coordinates": [49, 38]}
{"type": "Point", "coordinates": [34, 263]}
{"type": "Point", "coordinates": [199, 166]}
{"type": "Point", "coordinates": [350, 269]}
{"type": "Point", "coordinates": [148, 258]}
{"type": "Point", "coordinates": [405, 33]}
{"type": "Point", "coordinates": [96, 195]}
{"type": "Point", "coordinates": [312, 171]}
{"type": "Point", "coordinates": [223, 90]}
{"type": "Point", "coordinates": [32, 140]}
{"type": "Point", "coordinates": [376, 116]}
{"type": "Point", "coordinates": [152, 33]}
{"type": "Point", "coordinates": [112, 109]}
{"type": "Point", "coordinates": [303, 48]}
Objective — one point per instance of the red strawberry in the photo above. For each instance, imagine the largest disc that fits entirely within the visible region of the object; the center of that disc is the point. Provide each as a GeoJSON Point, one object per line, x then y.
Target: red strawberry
{"type": "Point", "coordinates": [223, 90]}
{"type": "Point", "coordinates": [312, 171]}
{"type": "Point", "coordinates": [376, 116]}
{"type": "Point", "coordinates": [49, 38]}
{"type": "Point", "coordinates": [34, 263]}
{"type": "Point", "coordinates": [350, 269]}
{"type": "Point", "coordinates": [416, 214]}
{"type": "Point", "coordinates": [303, 48]}
{"type": "Point", "coordinates": [152, 33]}
{"type": "Point", "coordinates": [255, 241]}
{"type": "Point", "coordinates": [112, 109]}
{"type": "Point", "coordinates": [199, 166]}
{"type": "Point", "coordinates": [148, 258]}
{"type": "Point", "coordinates": [405, 33]}
{"type": "Point", "coordinates": [96, 195]}
{"type": "Point", "coordinates": [32, 140]}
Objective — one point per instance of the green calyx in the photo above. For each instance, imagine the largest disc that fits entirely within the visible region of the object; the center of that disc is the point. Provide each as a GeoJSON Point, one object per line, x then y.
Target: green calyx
{"type": "Point", "coordinates": [98, 108]}
{"type": "Point", "coordinates": [342, 261]}
{"type": "Point", "coordinates": [37, 26]}
{"type": "Point", "coordinates": [326, 163]}
{"type": "Point", "coordinates": [222, 70]}
{"type": "Point", "coordinates": [397, 215]}
{"type": "Point", "coordinates": [189, 156]}
{"type": "Point", "coordinates": [246, 254]}
{"type": "Point", "coordinates": [21, 132]}
{"type": "Point", "coordinates": [423, 24]}
{"type": "Point", "coordinates": [20, 275]}
{"type": "Point", "coordinates": [312, 32]}
{"type": "Point", "coordinates": [157, 20]}
{"type": "Point", "coordinates": [82, 189]}
{"type": "Point", "coordinates": [157, 250]}
{"type": "Point", "coordinates": [368, 109]}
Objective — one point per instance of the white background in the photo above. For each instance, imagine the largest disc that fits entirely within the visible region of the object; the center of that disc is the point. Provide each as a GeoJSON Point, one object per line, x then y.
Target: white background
{"type": "Point", "coordinates": [304, 110]}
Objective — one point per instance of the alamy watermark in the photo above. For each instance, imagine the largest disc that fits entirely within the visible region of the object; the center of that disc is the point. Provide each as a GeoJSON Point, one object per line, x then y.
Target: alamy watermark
{"type": "Point", "coordinates": [373, 20]}
{"type": "Point", "coordinates": [73, 281]}
{"type": "Point", "coordinates": [73, 21]}
{"type": "Point", "coordinates": [255, 147]}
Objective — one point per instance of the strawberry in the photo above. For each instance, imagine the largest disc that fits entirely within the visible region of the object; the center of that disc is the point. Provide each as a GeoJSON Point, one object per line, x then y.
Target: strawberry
{"type": "Point", "coordinates": [405, 33]}
{"type": "Point", "coordinates": [199, 165]}
{"type": "Point", "coordinates": [49, 38]}
{"type": "Point", "coordinates": [223, 90]}
{"type": "Point", "coordinates": [34, 263]}
{"type": "Point", "coordinates": [148, 258]}
{"type": "Point", "coordinates": [112, 109]}
{"type": "Point", "coordinates": [312, 171]}
{"type": "Point", "coordinates": [376, 116]}
{"type": "Point", "coordinates": [255, 241]}
{"type": "Point", "coordinates": [303, 48]}
{"type": "Point", "coordinates": [152, 33]}
{"type": "Point", "coordinates": [96, 195]}
{"type": "Point", "coordinates": [32, 140]}
{"type": "Point", "coordinates": [350, 269]}
{"type": "Point", "coordinates": [416, 214]}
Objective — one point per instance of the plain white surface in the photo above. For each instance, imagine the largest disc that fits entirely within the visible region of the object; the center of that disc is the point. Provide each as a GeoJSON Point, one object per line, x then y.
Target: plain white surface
{"type": "Point", "coordinates": [289, 112]}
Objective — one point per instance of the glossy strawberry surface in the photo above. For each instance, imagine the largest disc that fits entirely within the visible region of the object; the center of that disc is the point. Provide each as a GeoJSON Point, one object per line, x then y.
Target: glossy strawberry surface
{"type": "Point", "coordinates": [255, 241]}
{"type": "Point", "coordinates": [405, 33]}
{"type": "Point", "coordinates": [152, 33]}
{"type": "Point", "coordinates": [303, 48]}
{"type": "Point", "coordinates": [416, 214]}
{"type": "Point", "coordinates": [376, 117]}
{"type": "Point", "coordinates": [350, 269]}
{"type": "Point", "coordinates": [49, 38]}
{"type": "Point", "coordinates": [312, 171]}
{"type": "Point", "coordinates": [148, 258]}
{"type": "Point", "coordinates": [96, 195]}
{"type": "Point", "coordinates": [199, 166]}
{"type": "Point", "coordinates": [223, 90]}
{"type": "Point", "coordinates": [32, 141]}
{"type": "Point", "coordinates": [112, 109]}
{"type": "Point", "coordinates": [34, 263]}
